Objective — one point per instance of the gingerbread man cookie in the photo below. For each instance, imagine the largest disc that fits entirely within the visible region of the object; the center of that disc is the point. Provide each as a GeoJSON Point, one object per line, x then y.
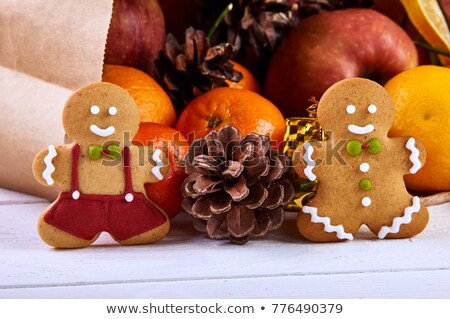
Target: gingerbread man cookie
{"type": "Point", "coordinates": [101, 176]}
{"type": "Point", "coordinates": [361, 172]}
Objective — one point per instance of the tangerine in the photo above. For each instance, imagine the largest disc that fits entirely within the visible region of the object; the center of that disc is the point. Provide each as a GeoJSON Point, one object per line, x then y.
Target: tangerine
{"type": "Point", "coordinates": [153, 102]}
{"type": "Point", "coordinates": [422, 103]}
{"type": "Point", "coordinates": [244, 109]}
{"type": "Point", "coordinates": [165, 193]}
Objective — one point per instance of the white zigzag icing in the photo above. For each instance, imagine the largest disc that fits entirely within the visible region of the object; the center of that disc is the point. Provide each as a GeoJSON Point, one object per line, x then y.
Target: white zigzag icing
{"type": "Point", "coordinates": [398, 221]}
{"type": "Point", "coordinates": [156, 170]}
{"type": "Point", "coordinates": [309, 162]}
{"type": "Point", "coordinates": [414, 157]}
{"type": "Point", "coordinates": [339, 229]}
{"type": "Point", "coordinates": [49, 167]}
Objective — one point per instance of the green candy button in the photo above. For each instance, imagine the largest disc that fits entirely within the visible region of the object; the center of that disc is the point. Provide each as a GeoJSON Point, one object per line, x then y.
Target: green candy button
{"type": "Point", "coordinates": [354, 147]}
{"type": "Point", "coordinates": [374, 146]}
{"type": "Point", "coordinates": [365, 184]}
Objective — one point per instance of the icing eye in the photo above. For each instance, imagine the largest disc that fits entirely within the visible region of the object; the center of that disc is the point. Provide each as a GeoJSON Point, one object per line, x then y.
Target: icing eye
{"type": "Point", "coordinates": [112, 110]}
{"type": "Point", "coordinates": [351, 109]}
{"type": "Point", "coordinates": [372, 108]}
{"type": "Point", "coordinates": [95, 109]}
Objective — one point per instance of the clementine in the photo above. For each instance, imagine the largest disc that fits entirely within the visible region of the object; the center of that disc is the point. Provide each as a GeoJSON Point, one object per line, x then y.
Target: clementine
{"type": "Point", "coordinates": [422, 102]}
{"type": "Point", "coordinates": [153, 102]}
{"type": "Point", "coordinates": [244, 109]}
{"type": "Point", "coordinates": [165, 193]}
{"type": "Point", "coordinates": [248, 81]}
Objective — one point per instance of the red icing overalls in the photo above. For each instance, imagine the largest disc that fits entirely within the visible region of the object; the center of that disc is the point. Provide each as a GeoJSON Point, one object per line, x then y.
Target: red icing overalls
{"type": "Point", "coordinates": [122, 216]}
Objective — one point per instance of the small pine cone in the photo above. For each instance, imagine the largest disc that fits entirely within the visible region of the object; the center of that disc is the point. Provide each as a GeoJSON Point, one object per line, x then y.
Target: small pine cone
{"type": "Point", "coordinates": [189, 70]}
{"type": "Point", "coordinates": [236, 188]}
{"type": "Point", "coordinates": [260, 24]}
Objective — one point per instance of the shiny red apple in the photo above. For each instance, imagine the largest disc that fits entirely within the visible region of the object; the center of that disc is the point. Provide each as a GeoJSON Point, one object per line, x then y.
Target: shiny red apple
{"type": "Point", "coordinates": [328, 47]}
{"type": "Point", "coordinates": [136, 33]}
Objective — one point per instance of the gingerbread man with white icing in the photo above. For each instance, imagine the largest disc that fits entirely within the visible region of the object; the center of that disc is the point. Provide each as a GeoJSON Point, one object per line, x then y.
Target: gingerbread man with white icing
{"type": "Point", "coordinates": [363, 182]}
{"type": "Point", "coordinates": [101, 176]}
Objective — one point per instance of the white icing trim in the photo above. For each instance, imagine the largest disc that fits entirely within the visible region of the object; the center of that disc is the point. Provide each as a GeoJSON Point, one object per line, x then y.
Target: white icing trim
{"type": "Point", "coordinates": [350, 109]}
{"type": "Point", "coordinates": [49, 167]}
{"type": "Point", "coordinates": [372, 108]}
{"type": "Point", "coordinates": [129, 197]}
{"type": "Point", "coordinates": [308, 171]}
{"type": "Point", "coordinates": [339, 229]}
{"type": "Point", "coordinates": [95, 109]}
{"type": "Point", "coordinates": [102, 132]}
{"type": "Point", "coordinates": [156, 170]}
{"type": "Point", "coordinates": [75, 195]}
{"type": "Point", "coordinates": [366, 201]}
{"type": "Point", "coordinates": [364, 167]}
{"type": "Point", "coordinates": [398, 221]}
{"type": "Point", "coordinates": [112, 110]}
{"type": "Point", "coordinates": [360, 130]}
{"type": "Point", "coordinates": [414, 157]}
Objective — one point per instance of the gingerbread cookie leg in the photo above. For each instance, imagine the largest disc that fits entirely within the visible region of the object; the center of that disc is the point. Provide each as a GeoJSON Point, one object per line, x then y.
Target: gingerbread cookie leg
{"type": "Point", "coordinates": [58, 238]}
{"type": "Point", "coordinates": [410, 221]}
{"type": "Point", "coordinates": [148, 237]}
{"type": "Point", "coordinates": [319, 228]}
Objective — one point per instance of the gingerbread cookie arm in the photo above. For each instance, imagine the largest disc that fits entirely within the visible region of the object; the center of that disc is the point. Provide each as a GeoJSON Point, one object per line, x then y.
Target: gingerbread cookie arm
{"type": "Point", "coordinates": [51, 166]}
{"type": "Point", "coordinates": [414, 154]}
{"type": "Point", "coordinates": [155, 167]}
{"type": "Point", "coordinates": [305, 160]}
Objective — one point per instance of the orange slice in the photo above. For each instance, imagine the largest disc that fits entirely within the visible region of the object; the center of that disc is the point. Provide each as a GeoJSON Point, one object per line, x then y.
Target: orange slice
{"type": "Point", "coordinates": [428, 18]}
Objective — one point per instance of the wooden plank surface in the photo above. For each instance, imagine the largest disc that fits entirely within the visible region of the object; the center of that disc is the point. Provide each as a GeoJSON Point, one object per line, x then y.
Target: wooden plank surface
{"type": "Point", "coordinates": [187, 264]}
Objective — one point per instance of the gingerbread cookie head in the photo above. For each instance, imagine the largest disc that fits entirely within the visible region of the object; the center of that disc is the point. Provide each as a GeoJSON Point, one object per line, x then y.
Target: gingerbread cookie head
{"type": "Point", "coordinates": [369, 115]}
{"type": "Point", "coordinates": [99, 113]}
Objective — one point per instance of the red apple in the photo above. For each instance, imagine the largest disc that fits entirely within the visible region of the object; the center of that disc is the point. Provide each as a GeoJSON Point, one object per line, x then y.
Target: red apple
{"type": "Point", "coordinates": [136, 33]}
{"type": "Point", "coordinates": [328, 47]}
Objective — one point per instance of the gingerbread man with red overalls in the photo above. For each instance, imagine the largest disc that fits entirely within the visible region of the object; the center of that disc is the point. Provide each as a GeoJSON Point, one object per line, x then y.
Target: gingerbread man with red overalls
{"type": "Point", "coordinates": [101, 176]}
{"type": "Point", "coordinates": [362, 182]}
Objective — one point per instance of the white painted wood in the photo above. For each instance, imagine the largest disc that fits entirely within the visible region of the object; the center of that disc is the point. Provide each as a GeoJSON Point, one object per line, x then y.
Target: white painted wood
{"type": "Point", "coordinates": [413, 284]}
{"type": "Point", "coordinates": [279, 265]}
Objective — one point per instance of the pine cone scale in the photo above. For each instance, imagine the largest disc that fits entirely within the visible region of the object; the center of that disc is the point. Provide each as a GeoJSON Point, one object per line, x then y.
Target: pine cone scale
{"type": "Point", "coordinates": [221, 203]}
{"type": "Point", "coordinates": [200, 209]}
{"type": "Point", "coordinates": [257, 196]}
{"type": "Point", "coordinates": [239, 190]}
{"type": "Point", "coordinates": [240, 221]}
{"type": "Point", "coordinates": [262, 223]}
{"type": "Point", "coordinates": [217, 226]}
{"type": "Point", "coordinates": [275, 197]}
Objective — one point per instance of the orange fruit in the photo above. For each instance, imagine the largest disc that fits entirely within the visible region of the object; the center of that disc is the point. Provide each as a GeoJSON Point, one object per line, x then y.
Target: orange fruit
{"type": "Point", "coordinates": [153, 102]}
{"type": "Point", "coordinates": [244, 109]}
{"type": "Point", "coordinates": [422, 103]}
{"type": "Point", "coordinates": [248, 81]}
{"type": "Point", "coordinates": [429, 20]}
{"type": "Point", "coordinates": [165, 193]}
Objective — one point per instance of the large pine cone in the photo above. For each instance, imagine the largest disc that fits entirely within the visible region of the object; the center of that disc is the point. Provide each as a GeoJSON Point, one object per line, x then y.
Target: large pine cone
{"type": "Point", "coordinates": [237, 187]}
{"type": "Point", "coordinates": [189, 70]}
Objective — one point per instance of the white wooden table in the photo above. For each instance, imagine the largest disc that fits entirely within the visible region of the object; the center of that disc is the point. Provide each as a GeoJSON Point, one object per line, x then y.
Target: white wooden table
{"type": "Point", "coordinates": [186, 264]}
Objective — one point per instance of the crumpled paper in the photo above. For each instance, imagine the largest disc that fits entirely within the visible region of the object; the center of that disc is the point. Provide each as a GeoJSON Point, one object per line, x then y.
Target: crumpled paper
{"type": "Point", "coordinates": [48, 49]}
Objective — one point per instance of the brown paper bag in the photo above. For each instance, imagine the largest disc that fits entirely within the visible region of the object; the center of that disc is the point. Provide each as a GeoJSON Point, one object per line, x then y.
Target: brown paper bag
{"type": "Point", "coordinates": [47, 50]}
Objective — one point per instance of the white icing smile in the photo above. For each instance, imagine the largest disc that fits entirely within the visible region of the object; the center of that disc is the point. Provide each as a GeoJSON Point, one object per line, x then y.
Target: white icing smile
{"type": "Point", "coordinates": [355, 129]}
{"type": "Point", "coordinates": [102, 132]}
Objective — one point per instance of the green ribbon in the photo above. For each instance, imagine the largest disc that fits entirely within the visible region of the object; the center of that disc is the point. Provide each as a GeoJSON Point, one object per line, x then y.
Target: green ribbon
{"type": "Point", "coordinates": [96, 151]}
{"type": "Point", "coordinates": [355, 147]}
